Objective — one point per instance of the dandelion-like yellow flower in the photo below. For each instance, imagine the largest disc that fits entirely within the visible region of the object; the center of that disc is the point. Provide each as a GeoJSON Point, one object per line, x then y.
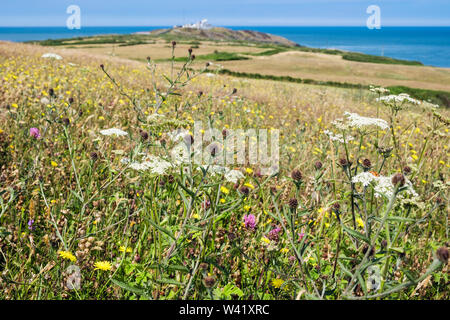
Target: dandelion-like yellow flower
{"type": "Point", "coordinates": [102, 265]}
{"type": "Point", "coordinates": [224, 190]}
{"type": "Point", "coordinates": [360, 222]}
{"type": "Point", "coordinates": [277, 283]}
{"type": "Point", "coordinates": [249, 185]}
{"type": "Point", "coordinates": [67, 255]}
{"type": "Point", "coordinates": [123, 249]}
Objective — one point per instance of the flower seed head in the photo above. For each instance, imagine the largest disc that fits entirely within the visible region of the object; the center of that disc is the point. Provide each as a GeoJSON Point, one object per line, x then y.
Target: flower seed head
{"type": "Point", "coordinates": [209, 281]}
{"type": "Point", "coordinates": [442, 254]}
{"type": "Point", "coordinates": [296, 175]}
{"type": "Point", "coordinates": [366, 164]}
{"type": "Point", "coordinates": [398, 180]}
{"type": "Point", "coordinates": [293, 203]}
{"type": "Point", "coordinates": [406, 170]}
{"type": "Point", "coordinates": [318, 165]}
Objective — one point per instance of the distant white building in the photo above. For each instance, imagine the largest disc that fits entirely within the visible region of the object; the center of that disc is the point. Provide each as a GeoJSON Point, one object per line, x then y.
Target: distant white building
{"type": "Point", "coordinates": [198, 25]}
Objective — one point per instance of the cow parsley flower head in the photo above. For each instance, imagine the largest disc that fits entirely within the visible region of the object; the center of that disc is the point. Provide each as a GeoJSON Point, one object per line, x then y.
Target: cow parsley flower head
{"type": "Point", "coordinates": [399, 98]}
{"type": "Point", "coordinates": [113, 131]}
{"type": "Point", "coordinates": [338, 137]}
{"type": "Point", "coordinates": [379, 90]}
{"type": "Point", "coordinates": [365, 178]}
{"type": "Point", "coordinates": [385, 187]}
{"type": "Point", "coordinates": [357, 121]}
{"type": "Point", "coordinates": [153, 164]}
{"type": "Point", "coordinates": [51, 56]}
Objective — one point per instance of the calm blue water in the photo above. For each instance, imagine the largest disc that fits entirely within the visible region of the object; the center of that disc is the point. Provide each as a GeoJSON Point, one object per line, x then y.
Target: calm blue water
{"type": "Point", "coordinates": [430, 45]}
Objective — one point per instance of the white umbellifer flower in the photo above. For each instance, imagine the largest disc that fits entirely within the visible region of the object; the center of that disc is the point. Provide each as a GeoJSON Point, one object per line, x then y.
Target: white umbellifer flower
{"type": "Point", "coordinates": [233, 176]}
{"type": "Point", "coordinates": [386, 188]}
{"type": "Point", "coordinates": [400, 98]}
{"type": "Point", "coordinates": [113, 131]}
{"type": "Point", "coordinates": [379, 90]}
{"type": "Point", "coordinates": [51, 56]}
{"type": "Point", "coordinates": [153, 164]}
{"type": "Point", "coordinates": [355, 120]}
{"type": "Point", "coordinates": [365, 178]}
{"type": "Point", "coordinates": [338, 137]}
{"type": "Point", "coordinates": [125, 160]}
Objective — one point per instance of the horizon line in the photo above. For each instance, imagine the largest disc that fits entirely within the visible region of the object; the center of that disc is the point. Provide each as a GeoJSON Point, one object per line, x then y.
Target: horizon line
{"type": "Point", "coordinates": [234, 25]}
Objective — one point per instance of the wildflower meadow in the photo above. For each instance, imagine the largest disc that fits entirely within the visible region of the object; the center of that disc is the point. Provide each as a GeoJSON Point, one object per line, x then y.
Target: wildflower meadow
{"type": "Point", "coordinates": [109, 191]}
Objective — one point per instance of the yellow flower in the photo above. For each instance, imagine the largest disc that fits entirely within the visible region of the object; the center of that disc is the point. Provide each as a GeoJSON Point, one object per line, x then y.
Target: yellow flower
{"type": "Point", "coordinates": [128, 250]}
{"type": "Point", "coordinates": [224, 190]}
{"type": "Point", "coordinates": [264, 239]}
{"type": "Point", "coordinates": [54, 164]}
{"type": "Point", "coordinates": [102, 265]}
{"type": "Point", "coordinates": [249, 170]}
{"type": "Point", "coordinates": [249, 185]}
{"type": "Point", "coordinates": [222, 201]}
{"type": "Point", "coordinates": [360, 222]}
{"type": "Point", "coordinates": [277, 283]}
{"type": "Point", "coordinates": [284, 250]}
{"type": "Point", "coordinates": [67, 255]}
{"type": "Point", "coordinates": [247, 208]}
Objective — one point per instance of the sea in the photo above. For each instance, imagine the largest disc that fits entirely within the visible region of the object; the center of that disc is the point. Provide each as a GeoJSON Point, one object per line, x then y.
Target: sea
{"type": "Point", "coordinates": [429, 45]}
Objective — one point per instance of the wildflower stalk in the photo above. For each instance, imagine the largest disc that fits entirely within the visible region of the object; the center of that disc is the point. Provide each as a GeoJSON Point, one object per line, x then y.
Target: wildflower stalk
{"type": "Point", "coordinates": [435, 265]}
{"type": "Point", "coordinates": [297, 254]}
{"type": "Point", "coordinates": [372, 243]}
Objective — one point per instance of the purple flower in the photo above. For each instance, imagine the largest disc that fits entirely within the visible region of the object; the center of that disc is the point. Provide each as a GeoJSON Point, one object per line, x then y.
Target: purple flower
{"type": "Point", "coordinates": [301, 236]}
{"type": "Point", "coordinates": [30, 224]}
{"type": "Point", "coordinates": [34, 132]}
{"type": "Point", "coordinates": [250, 221]}
{"type": "Point", "coordinates": [274, 233]}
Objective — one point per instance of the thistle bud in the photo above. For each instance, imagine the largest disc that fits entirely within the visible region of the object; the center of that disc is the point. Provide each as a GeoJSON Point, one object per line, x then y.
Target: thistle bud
{"type": "Point", "coordinates": [209, 281]}
{"type": "Point", "coordinates": [406, 170]}
{"type": "Point", "coordinates": [318, 165]}
{"type": "Point", "coordinates": [366, 164]}
{"type": "Point", "coordinates": [296, 175]}
{"type": "Point", "coordinates": [398, 180]}
{"type": "Point", "coordinates": [442, 254]}
{"type": "Point", "coordinates": [293, 203]}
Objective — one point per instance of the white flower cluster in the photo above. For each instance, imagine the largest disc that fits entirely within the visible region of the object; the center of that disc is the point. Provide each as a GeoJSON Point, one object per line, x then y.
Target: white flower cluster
{"type": "Point", "coordinates": [153, 164]}
{"type": "Point", "coordinates": [379, 90]}
{"type": "Point", "coordinates": [338, 137]}
{"type": "Point", "coordinates": [357, 121]}
{"type": "Point", "coordinates": [400, 98]}
{"type": "Point", "coordinates": [383, 185]}
{"type": "Point", "coordinates": [113, 131]}
{"type": "Point", "coordinates": [365, 178]}
{"type": "Point", "coordinates": [51, 56]}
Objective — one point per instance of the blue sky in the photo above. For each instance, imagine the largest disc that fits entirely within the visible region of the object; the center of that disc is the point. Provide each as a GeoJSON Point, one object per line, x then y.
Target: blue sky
{"type": "Point", "coordinates": [225, 12]}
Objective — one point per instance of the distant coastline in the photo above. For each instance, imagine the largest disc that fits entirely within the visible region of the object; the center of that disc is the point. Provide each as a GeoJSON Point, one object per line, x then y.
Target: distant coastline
{"type": "Point", "coordinates": [429, 45]}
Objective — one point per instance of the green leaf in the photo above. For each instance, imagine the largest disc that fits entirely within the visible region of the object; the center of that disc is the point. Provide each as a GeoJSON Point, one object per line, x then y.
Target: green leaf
{"type": "Point", "coordinates": [356, 234]}
{"type": "Point", "coordinates": [161, 229]}
{"type": "Point", "coordinates": [130, 288]}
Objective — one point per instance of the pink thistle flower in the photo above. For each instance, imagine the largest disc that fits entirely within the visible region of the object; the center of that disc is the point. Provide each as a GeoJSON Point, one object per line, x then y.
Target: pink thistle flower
{"type": "Point", "coordinates": [250, 221]}
{"type": "Point", "coordinates": [34, 132]}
